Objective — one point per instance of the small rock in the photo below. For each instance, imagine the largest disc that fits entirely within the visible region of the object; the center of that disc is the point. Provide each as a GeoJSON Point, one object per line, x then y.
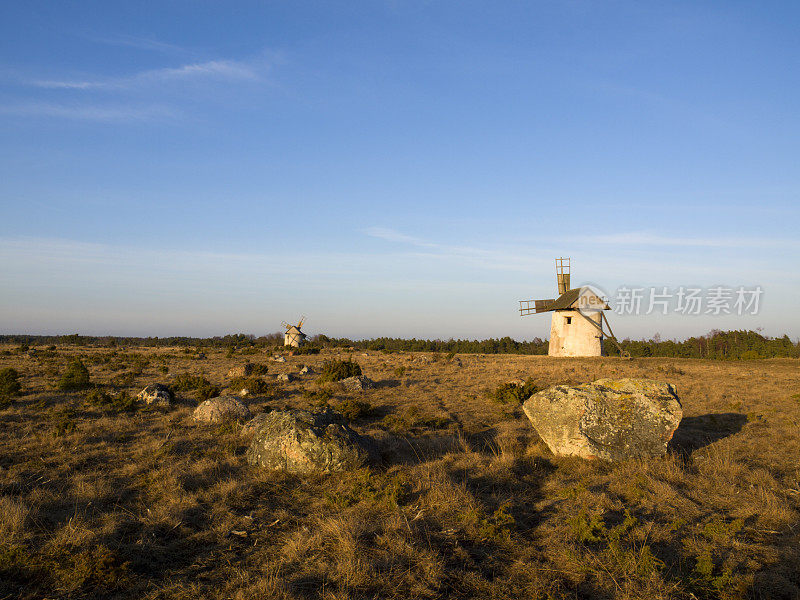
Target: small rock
{"type": "Point", "coordinates": [220, 410]}
{"type": "Point", "coordinates": [306, 371]}
{"type": "Point", "coordinates": [284, 377]}
{"type": "Point", "coordinates": [244, 370]}
{"type": "Point", "coordinates": [157, 394]}
{"type": "Point", "coordinates": [612, 419]}
{"type": "Point", "coordinates": [278, 359]}
{"type": "Point", "coordinates": [357, 383]}
{"type": "Point", "coordinates": [299, 441]}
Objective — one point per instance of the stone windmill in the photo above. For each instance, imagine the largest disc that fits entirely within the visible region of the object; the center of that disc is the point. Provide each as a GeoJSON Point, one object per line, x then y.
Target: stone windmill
{"type": "Point", "coordinates": [577, 324]}
{"type": "Point", "coordinates": [293, 336]}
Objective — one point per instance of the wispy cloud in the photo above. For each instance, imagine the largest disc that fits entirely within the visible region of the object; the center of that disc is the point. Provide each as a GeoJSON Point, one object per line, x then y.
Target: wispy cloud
{"type": "Point", "coordinates": [139, 42]}
{"type": "Point", "coordinates": [495, 260]}
{"type": "Point", "coordinates": [100, 113]}
{"type": "Point", "coordinates": [228, 70]}
{"type": "Point", "coordinates": [390, 235]}
{"type": "Point", "coordinates": [643, 238]}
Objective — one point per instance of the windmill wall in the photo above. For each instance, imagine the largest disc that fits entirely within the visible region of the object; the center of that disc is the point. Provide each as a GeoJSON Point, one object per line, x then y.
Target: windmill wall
{"type": "Point", "coordinates": [294, 337]}
{"type": "Point", "coordinates": [572, 335]}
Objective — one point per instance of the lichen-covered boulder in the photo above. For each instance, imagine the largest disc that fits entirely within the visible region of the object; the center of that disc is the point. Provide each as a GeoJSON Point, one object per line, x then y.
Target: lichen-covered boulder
{"type": "Point", "coordinates": [299, 441]}
{"type": "Point", "coordinates": [157, 394]}
{"type": "Point", "coordinates": [611, 419]}
{"type": "Point", "coordinates": [357, 383]}
{"type": "Point", "coordinates": [244, 370]}
{"type": "Point", "coordinates": [253, 424]}
{"type": "Point", "coordinates": [220, 410]}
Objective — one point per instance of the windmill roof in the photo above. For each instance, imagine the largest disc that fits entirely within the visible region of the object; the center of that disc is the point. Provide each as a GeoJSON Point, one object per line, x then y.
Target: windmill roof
{"type": "Point", "coordinates": [568, 300]}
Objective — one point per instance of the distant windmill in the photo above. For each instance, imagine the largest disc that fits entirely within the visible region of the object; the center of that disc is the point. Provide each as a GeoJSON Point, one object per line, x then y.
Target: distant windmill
{"type": "Point", "coordinates": [293, 336]}
{"type": "Point", "coordinates": [577, 325]}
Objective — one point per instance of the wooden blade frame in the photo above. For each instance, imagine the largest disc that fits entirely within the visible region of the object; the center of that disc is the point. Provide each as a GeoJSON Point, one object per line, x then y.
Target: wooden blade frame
{"type": "Point", "coordinates": [531, 307]}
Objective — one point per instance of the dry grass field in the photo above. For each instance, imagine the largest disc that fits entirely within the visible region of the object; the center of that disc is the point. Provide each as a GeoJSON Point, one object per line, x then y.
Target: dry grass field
{"type": "Point", "coordinates": [100, 499]}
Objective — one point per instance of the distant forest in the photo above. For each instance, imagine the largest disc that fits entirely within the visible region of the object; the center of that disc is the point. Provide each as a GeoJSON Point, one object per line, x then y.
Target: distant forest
{"type": "Point", "coordinates": [724, 345]}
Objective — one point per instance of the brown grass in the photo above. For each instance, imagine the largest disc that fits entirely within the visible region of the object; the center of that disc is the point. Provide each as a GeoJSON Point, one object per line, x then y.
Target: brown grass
{"type": "Point", "coordinates": [467, 503]}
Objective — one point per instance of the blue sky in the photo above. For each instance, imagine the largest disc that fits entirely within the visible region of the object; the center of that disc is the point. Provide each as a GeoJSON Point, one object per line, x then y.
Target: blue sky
{"type": "Point", "coordinates": [392, 168]}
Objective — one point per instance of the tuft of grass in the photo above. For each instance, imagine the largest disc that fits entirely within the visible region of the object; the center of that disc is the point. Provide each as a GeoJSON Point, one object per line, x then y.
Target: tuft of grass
{"type": "Point", "coordinates": [336, 370]}
{"type": "Point", "coordinates": [76, 377]}
{"type": "Point", "coordinates": [400, 371]}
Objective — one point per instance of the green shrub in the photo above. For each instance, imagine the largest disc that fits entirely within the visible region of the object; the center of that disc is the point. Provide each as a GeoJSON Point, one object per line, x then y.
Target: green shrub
{"type": "Point", "coordinates": [305, 349]}
{"type": "Point", "coordinates": [513, 392]}
{"type": "Point", "coordinates": [116, 403]}
{"type": "Point", "coordinates": [336, 370]}
{"type": "Point", "coordinates": [9, 386]}
{"type": "Point", "coordinates": [76, 377]}
{"type": "Point", "coordinates": [353, 409]}
{"type": "Point", "coordinates": [203, 389]}
{"type": "Point", "coordinates": [258, 369]}
{"type": "Point", "coordinates": [253, 385]}
{"type": "Point", "coordinates": [319, 397]}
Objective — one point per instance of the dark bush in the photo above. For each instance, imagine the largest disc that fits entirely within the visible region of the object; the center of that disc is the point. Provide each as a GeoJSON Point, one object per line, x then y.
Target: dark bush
{"type": "Point", "coordinates": [253, 385]}
{"type": "Point", "coordinates": [354, 409]}
{"type": "Point", "coordinates": [513, 392]}
{"type": "Point", "coordinates": [76, 377]}
{"type": "Point", "coordinates": [203, 389]}
{"type": "Point", "coordinates": [115, 403]}
{"type": "Point", "coordinates": [336, 370]}
{"type": "Point", "coordinates": [9, 386]}
{"type": "Point", "coordinates": [305, 349]}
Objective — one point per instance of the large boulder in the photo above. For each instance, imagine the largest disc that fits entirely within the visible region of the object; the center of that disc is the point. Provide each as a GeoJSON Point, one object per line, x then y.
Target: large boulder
{"type": "Point", "coordinates": [157, 394]}
{"type": "Point", "coordinates": [220, 410]}
{"type": "Point", "coordinates": [612, 419]}
{"type": "Point", "coordinates": [244, 370]}
{"type": "Point", "coordinates": [357, 383]}
{"type": "Point", "coordinates": [299, 441]}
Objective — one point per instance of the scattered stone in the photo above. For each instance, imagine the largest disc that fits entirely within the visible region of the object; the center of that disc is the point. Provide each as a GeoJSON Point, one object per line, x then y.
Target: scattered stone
{"type": "Point", "coordinates": [278, 359]}
{"type": "Point", "coordinates": [157, 394]}
{"type": "Point", "coordinates": [220, 410]}
{"type": "Point", "coordinates": [299, 441]}
{"type": "Point", "coordinates": [306, 370]}
{"type": "Point", "coordinates": [357, 383]}
{"type": "Point", "coordinates": [244, 370]}
{"type": "Point", "coordinates": [284, 377]}
{"type": "Point", "coordinates": [611, 419]}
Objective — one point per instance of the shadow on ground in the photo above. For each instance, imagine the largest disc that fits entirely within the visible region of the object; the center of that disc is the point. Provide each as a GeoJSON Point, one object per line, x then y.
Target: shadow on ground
{"type": "Point", "coordinates": [697, 432]}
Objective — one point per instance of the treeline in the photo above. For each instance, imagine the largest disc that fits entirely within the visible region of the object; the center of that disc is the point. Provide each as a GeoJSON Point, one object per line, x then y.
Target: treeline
{"type": "Point", "coordinates": [504, 345]}
{"type": "Point", "coordinates": [722, 345]}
